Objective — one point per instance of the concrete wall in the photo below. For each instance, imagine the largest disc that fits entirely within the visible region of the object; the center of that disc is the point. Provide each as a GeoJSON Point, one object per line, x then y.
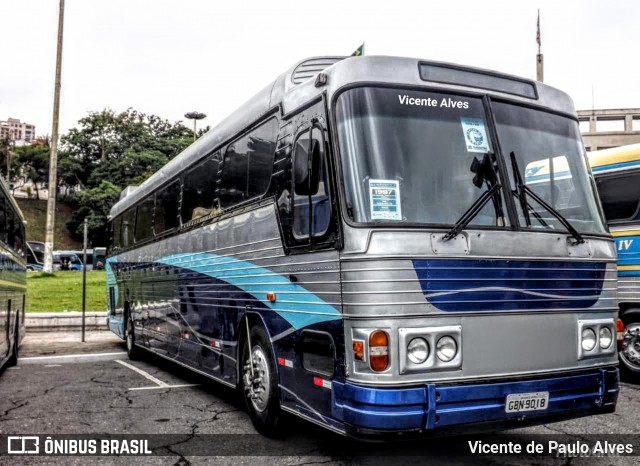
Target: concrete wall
{"type": "Point", "coordinates": [595, 138]}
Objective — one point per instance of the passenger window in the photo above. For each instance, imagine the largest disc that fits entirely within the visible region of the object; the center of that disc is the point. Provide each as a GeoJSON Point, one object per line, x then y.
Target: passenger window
{"type": "Point", "coordinates": [144, 220]}
{"type": "Point", "coordinates": [166, 213]}
{"type": "Point", "coordinates": [199, 190]}
{"type": "Point", "coordinates": [3, 219]}
{"type": "Point", "coordinates": [248, 163]}
{"type": "Point", "coordinates": [128, 223]}
{"type": "Point", "coordinates": [11, 229]}
{"type": "Point", "coordinates": [116, 226]}
{"type": "Point", "coordinates": [311, 205]}
{"type": "Point", "coordinates": [620, 196]}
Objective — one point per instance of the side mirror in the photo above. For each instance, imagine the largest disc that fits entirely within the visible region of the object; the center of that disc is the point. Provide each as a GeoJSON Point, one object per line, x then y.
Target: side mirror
{"type": "Point", "coordinates": [306, 181]}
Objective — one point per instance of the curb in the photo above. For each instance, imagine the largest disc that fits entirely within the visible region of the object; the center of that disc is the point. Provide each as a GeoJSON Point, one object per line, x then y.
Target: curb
{"type": "Point", "coordinates": [47, 321]}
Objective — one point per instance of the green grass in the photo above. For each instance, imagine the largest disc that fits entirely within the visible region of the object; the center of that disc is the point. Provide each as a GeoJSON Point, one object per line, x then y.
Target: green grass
{"type": "Point", "coordinates": [35, 213]}
{"type": "Point", "coordinates": [62, 291]}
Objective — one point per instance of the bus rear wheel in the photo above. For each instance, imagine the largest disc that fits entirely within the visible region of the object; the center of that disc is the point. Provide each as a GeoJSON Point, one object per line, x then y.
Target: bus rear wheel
{"type": "Point", "coordinates": [259, 384]}
{"type": "Point", "coordinates": [133, 351]}
{"type": "Point", "coordinates": [13, 360]}
{"type": "Point", "coordinates": [630, 352]}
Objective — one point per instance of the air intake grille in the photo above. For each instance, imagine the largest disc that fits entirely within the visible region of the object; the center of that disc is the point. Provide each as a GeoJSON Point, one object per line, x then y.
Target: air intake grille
{"type": "Point", "coordinates": [310, 68]}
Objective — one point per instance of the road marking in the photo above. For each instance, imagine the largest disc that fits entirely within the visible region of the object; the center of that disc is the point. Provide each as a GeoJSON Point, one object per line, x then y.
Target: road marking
{"type": "Point", "coordinates": [53, 365]}
{"type": "Point", "coordinates": [144, 374]}
{"type": "Point", "coordinates": [73, 358]}
{"type": "Point", "coordinates": [165, 386]}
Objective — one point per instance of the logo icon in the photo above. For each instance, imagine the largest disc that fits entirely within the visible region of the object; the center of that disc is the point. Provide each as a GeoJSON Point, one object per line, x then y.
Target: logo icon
{"type": "Point", "coordinates": [23, 445]}
{"type": "Point", "coordinates": [475, 136]}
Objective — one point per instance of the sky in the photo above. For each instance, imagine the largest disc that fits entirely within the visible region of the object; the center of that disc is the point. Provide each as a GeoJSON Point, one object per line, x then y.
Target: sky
{"type": "Point", "coordinates": [169, 57]}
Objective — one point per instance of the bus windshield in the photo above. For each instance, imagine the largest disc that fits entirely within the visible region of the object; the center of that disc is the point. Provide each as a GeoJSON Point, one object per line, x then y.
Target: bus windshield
{"type": "Point", "coordinates": [408, 156]}
{"type": "Point", "coordinates": [413, 157]}
{"type": "Point", "coordinates": [547, 151]}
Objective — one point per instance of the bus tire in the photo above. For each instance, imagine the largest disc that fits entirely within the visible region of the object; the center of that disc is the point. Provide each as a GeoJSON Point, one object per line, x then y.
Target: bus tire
{"type": "Point", "coordinates": [133, 351]}
{"type": "Point", "coordinates": [13, 359]}
{"type": "Point", "coordinates": [630, 354]}
{"type": "Point", "coordinates": [260, 392]}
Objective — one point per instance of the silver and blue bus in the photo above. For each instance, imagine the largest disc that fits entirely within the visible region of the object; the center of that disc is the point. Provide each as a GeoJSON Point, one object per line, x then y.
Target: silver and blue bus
{"type": "Point", "coordinates": [13, 278]}
{"type": "Point", "coordinates": [364, 244]}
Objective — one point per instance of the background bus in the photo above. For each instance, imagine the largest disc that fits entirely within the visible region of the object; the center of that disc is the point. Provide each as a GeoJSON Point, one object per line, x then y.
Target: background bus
{"type": "Point", "coordinates": [13, 278]}
{"type": "Point", "coordinates": [617, 174]}
{"type": "Point", "coordinates": [358, 245]}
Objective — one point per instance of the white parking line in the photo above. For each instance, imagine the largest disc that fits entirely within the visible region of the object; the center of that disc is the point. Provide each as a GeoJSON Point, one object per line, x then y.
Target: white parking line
{"type": "Point", "coordinates": [72, 358]}
{"type": "Point", "coordinates": [165, 386]}
{"type": "Point", "coordinates": [53, 365]}
{"type": "Point", "coordinates": [146, 375]}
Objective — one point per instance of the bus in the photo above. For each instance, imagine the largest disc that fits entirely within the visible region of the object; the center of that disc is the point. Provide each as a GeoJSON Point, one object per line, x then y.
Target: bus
{"type": "Point", "coordinates": [13, 278]}
{"type": "Point", "coordinates": [617, 175]}
{"type": "Point", "coordinates": [356, 245]}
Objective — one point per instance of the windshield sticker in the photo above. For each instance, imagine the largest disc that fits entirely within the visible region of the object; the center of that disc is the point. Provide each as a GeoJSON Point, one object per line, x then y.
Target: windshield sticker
{"type": "Point", "coordinates": [384, 198]}
{"type": "Point", "coordinates": [475, 135]}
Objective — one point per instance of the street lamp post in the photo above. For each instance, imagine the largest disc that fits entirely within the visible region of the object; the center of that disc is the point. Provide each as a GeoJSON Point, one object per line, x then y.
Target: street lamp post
{"type": "Point", "coordinates": [195, 116]}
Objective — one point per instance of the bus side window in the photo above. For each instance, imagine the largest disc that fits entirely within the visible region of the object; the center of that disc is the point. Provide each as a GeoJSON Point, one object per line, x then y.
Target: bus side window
{"type": "Point", "coordinates": [166, 211]}
{"type": "Point", "coordinates": [11, 227]}
{"type": "Point", "coordinates": [144, 219]}
{"type": "Point", "coordinates": [311, 203]}
{"type": "Point", "coordinates": [3, 219]}
{"type": "Point", "coordinates": [248, 164]}
{"type": "Point", "coordinates": [116, 226]}
{"type": "Point", "coordinates": [199, 190]}
{"type": "Point", "coordinates": [128, 223]}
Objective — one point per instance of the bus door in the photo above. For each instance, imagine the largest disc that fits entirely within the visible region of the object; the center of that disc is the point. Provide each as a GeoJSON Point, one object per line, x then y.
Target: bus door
{"type": "Point", "coordinates": [310, 233]}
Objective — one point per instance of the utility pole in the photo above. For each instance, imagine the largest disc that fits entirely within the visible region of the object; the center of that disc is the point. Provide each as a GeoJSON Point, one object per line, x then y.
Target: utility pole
{"type": "Point", "coordinates": [195, 116]}
{"type": "Point", "coordinates": [53, 159]}
{"type": "Point", "coordinates": [539, 57]}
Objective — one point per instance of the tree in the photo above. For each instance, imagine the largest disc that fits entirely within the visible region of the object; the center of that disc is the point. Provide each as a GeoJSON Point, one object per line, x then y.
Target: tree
{"type": "Point", "coordinates": [119, 148]}
{"type": "Point", "coordinates": [103, 137]}
{"type": "Point", "coordinates": [94, 205]}
{"type": "Point", "coordinates": [33, 163]}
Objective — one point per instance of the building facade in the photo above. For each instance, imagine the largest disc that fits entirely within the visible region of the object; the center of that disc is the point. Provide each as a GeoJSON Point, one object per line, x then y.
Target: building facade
{"type": "Point", "coordinates": [18, 132]}
{"type": "Point", "coordinates": [603, 129]}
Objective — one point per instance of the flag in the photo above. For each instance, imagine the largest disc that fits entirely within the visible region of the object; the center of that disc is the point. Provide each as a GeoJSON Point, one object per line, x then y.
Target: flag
{"type": "Point", "coordinates": [538, 31]}
{"type": "Point", "coordinates": [359, 51]}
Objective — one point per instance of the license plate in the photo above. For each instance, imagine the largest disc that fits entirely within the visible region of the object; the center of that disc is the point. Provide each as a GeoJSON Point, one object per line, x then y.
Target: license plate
{"type": "Point", "coordinates": [521, 402]}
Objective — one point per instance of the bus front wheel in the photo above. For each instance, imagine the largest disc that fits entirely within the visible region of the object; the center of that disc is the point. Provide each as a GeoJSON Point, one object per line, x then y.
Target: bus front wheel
{"type": "Point", "coordinates": [630, 352]}
{"type": "Point", "coordinates": [260, 385]}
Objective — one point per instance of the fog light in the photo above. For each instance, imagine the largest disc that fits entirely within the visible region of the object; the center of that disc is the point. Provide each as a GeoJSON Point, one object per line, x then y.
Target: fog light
{"type": "Point", "coordinates": [446, 349]}
{"type": "Point", "coordinates": [606, 337]}
{"type": "Point", "coordinates": [588, 339]}
{"type": "Point", "coordinates": [418, 350]}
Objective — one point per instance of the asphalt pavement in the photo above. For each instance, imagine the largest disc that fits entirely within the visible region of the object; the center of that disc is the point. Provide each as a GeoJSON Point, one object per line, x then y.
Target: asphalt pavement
{"type": "Point", "coordinates": [60, 387]}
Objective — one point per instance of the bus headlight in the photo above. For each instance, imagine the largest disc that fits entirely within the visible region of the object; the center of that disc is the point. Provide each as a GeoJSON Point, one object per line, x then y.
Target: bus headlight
{"type": "Point", "coordinates": [418, 350]}
{"type": "Point", "coordinates": [595, 338]}
{"type": "Point", "coordinates": [446, 348]}
{"type": "Point", "coordinates": [588, 339]}
{"type": "Point", "coordinates": [606, 337]}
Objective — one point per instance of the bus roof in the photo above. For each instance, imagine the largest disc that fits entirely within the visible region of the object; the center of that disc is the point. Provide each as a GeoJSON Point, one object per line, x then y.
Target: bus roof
{"type": "Point", "coordinates": [297, 87]}
{"type": "Point", "coordinates": [615, 159]}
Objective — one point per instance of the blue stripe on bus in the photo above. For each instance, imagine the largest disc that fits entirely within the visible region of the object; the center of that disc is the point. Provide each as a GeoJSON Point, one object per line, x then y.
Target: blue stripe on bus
{"type": "Point", "coordinates": [615, 166]}
{"type": "Point", "coordinates": [257, 281]}
{"type": "Point", "coordinates": [455, 285]}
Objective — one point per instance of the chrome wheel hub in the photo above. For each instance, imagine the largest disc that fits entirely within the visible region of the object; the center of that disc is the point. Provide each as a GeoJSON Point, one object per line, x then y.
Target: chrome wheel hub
{"type": "Point", "coordinates": [256, 381]}
{"type": "Point", "coordinates": [630, 353]}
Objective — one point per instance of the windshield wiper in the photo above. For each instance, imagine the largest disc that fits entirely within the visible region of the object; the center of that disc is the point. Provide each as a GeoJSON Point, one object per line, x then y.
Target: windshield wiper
{"type": "Point", "coordinates": [485, 173]}
{"type": "Point", "coordinates": [521, 192]}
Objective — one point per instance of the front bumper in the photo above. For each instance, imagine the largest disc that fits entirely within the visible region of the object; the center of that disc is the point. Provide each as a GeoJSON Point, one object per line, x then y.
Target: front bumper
{"type": "Point", "coordinates": [435, 406]}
